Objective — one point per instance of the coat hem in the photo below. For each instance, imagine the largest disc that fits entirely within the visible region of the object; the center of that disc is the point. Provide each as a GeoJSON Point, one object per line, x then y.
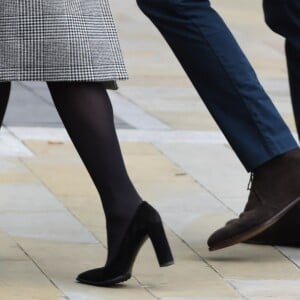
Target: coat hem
{"type": "Point", "coordinates": [108, 84]}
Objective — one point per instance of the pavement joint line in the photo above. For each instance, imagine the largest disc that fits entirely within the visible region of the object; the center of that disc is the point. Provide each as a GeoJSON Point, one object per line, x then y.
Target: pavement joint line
{"type": "Point", "coordinates": [196, 180]}
{"type": "Point", "coordinates": [133, 114]}
{"type": "Point", "coordinates": [191, 249]}
{"type": "Point", "coordinates": [203, 259]}
{"type": "Point", "coordinates": [39, 268]}
{"type": "Point", "coordinates": [144, 287]}
{"type": "Point", "coordinates": [24, 212]}
{"type": "Point", "coordinates": [235, 288]}
{"type": "Point", "coordinates": [125, 135]}
{"type": "Point", "coordinates": [210, 265]}
{"type": "Point", "coordinates": [282, 252]}
{"type": "Point", "coordinates": [206, 262]}
{"type": "Point", "coordinates": [41, 181]}
{"type": "Point", "coordinates": [33, 91]}
{"type": "Point", "coordinates": [130, 135]}
{"type": "Point", "coordinates": [12, 145]}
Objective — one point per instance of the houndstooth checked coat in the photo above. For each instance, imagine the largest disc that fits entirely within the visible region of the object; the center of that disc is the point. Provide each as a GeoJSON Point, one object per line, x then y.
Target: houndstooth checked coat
{"type": "Point", "coordinates": [52, 40]}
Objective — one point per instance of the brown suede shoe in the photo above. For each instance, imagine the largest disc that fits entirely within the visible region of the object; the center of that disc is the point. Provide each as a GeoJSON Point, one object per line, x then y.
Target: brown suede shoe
{"type": "Point", "coordinates": [275, 191]}
{"type": "Point", "coordinates": [283, 233]}
{"type": "Point", "coordinates": [286, 232]}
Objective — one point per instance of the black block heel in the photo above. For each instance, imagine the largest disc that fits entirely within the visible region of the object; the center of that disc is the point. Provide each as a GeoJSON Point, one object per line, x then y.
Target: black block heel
{"type": "Point", "coordinates": [160, 244]}
{"type": "Point", "coordinates": [145, 223]}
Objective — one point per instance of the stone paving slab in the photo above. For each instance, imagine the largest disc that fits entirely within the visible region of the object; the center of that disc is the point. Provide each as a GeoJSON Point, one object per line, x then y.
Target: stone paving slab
{"type": "Point", "coordinates": [30, 104]}
{"type": "Point", "coordinates": [230, 179]}
{"type": "Point", "coordinates": [12, 146]}
{"type": "Point", "coordinates": [58, 176]}
{"type": "Point", "coordinates": [266, 289]}
{"type": "Point", "coordinates": [52, 224]}
{"type": "Point", "coordinates": [25, 107]}
{"type": "Point", "coordinates": [189, 208]}
{"type": "Point", "coordinates": [20, 277]}
{"type": "Point", "coordinates": [292, 253]}
{"type": "Point", "coordinates": [61, 262]}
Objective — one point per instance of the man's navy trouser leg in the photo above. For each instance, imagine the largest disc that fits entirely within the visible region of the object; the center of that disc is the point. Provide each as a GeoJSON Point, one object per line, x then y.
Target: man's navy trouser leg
{"type": "Point", "coordinates": [283, 17]}
{"type": "Point", "coordinates": [223, 77]}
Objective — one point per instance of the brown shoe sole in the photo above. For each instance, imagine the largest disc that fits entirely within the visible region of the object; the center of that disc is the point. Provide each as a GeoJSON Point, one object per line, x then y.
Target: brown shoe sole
{"type": "Point", "coordinates": [255, 230]}
{"type": "Point", "coordinates": [285, 243]}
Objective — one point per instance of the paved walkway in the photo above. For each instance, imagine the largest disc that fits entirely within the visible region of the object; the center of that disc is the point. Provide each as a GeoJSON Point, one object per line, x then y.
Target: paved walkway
{"type": "Point", "coordinates": [51, 220]}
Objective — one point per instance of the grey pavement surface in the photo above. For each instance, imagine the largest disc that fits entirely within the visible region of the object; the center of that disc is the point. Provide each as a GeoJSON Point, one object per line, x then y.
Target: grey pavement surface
{"type": "Point", "coordinates": [30, 104]}
{"type": "Point", "coordinates": [52, 224]}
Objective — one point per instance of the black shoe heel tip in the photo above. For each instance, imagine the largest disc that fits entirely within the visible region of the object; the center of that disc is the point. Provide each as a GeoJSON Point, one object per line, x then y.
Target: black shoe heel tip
{"type": "Point", "coordinates": [167, 264]}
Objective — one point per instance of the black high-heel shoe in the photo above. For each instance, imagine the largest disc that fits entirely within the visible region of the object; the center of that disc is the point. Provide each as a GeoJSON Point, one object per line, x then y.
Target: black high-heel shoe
{"type": "Point", "coordinates": [145, 223]}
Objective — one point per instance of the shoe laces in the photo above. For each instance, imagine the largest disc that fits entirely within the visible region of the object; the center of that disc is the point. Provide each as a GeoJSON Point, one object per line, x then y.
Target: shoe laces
{"type": "Point", "coordinates": [249, 187]}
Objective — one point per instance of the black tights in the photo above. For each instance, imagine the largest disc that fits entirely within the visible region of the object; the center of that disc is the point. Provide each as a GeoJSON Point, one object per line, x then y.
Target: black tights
{"type": "Point", "coordinates": [4, 96]}
{"type": "Point", "coordinates": [86, 112]}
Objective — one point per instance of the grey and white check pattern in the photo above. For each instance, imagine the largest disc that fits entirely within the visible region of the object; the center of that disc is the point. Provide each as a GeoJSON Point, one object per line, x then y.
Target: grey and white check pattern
{"type": "Point", "coordinates": [52, 40]}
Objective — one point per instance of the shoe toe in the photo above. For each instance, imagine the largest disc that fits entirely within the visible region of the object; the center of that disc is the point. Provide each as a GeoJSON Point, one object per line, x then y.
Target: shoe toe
{"type": "Point", "coordinates": [218, 236]}
{"type": "Point", "coordinates": [102, 277]}
{"type": "Point", "coordinates": [93, 276]}
{"type": "Point", "coordinates": [229, 234]}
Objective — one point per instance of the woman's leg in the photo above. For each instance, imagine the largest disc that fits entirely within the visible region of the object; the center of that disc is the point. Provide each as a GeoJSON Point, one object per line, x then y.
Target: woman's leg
{"type": "Point", "coordinates": [87, 114]}
{"type": "Point", "coordinates": [4, 97]}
